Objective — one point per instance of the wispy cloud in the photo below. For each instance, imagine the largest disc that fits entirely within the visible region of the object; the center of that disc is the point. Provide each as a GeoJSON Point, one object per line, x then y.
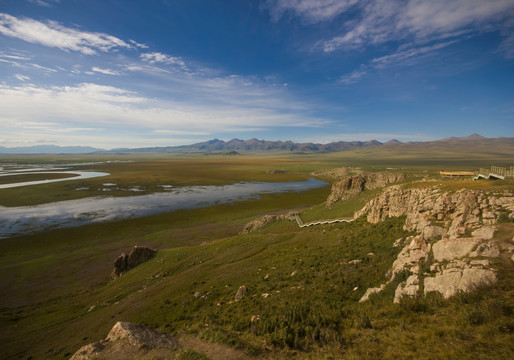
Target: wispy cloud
{"type": "Point", "coordinates": [40, 67]}
{"type": "Point", "coordinates": [382, 137]}
{"type": "Point", "coordinates": [47, 3]}
{"type": "Point", "coordinates": [14, 57]}
{"type": "Point", "coordinates": [312, 11]}
{"type": "Point", "coordinates": [353, 77]}
{"type": "Point", "coordinates": [139, 45]}
{"type": "Point", "coordinates": [22, 77]}
{"type": "Point", "coordinates": [402, 56]}
{"type": "Point", "coordinates": [157, 57]}
{"type": "Point", "coordinates": [393, 20]}
{"type": "Point", "coordinates": [105, 71]}
{"type": "Point", "coordinates": [53, 34]}
{"type": "Point", "coordinates": [507, 46]}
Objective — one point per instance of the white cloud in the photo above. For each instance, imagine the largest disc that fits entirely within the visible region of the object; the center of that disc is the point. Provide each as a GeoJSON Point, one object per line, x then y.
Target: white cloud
{"type": "Point", "coordinates": [382, 137]}
{"type": "Point", "coordinates": [105, 71]}
{"type": "Point", "coordinates": [402, 56]}
{"type": "Point", "coordinates": [353, 77]}
{"type": "Point", "coordinates": [157, 57]}
{"type": "Point", "coordinates": [180, 132]}
{"type": "Point", "coordinates": [37, 66]}
{"type": "Point", "coordinates": [382, 21]}
{"type": "Point", "coordinates": [87, 106]}
{"type": "Point", "coordinates": [312, 11]}
{"type": "Point", "coordinates": [14, 57]}
{"type": "Point", "coordinates": [53, 34]}
{"type": "Point", "coordinates": [22, 77]}
{"type": "Point", "coordinates": [139, 45]}
{"type": "Point", "coordinates": [47, 3]}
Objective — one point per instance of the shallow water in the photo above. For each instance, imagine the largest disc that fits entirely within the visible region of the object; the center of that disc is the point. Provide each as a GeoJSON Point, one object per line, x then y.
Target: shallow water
{"type": "Point", "coordinates": [79, 175]}
{"type": "Point", "coordinates": [29, 219]}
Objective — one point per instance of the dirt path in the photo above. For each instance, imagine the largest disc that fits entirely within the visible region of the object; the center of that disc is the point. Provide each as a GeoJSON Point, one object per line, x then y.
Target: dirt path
{"type": "Point", "coordinates": [212, 350]}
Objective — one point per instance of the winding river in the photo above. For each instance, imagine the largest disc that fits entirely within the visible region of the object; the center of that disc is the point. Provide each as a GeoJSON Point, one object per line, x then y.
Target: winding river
{"type": "Point", "coordinates": [29, 219]}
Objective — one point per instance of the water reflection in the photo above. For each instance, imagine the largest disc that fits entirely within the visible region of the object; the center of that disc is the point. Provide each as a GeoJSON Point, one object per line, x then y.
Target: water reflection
{"type": "Point", "coordinates": [28, 219]}
{"type": "Point", "coordinates": [79, 175]}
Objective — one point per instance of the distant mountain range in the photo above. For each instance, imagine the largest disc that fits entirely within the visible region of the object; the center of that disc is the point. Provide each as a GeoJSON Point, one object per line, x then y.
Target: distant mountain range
{"type": "Point", "coordinates": [236, 146]}
{"type": "Point", "coordinates": [255, 145]}
{"type": "Point", "coordinates": [48, 149]}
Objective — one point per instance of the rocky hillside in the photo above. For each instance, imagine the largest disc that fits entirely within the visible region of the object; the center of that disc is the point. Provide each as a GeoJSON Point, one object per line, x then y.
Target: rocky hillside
{"type": "Point", "coordinates": [354, 185]}
{"type": "Point", "coordinates": [454, 239]}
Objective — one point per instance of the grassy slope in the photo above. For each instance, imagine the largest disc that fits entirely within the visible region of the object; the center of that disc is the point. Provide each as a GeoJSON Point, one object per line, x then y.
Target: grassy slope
{"type": "Point", "coordinates": [313, 313]}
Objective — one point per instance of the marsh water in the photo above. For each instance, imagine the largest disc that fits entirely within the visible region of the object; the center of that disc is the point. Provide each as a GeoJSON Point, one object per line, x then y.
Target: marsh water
{"type": "Point", "coordinates": [78, 176]}
{"type": "Point", "coordinates": [29, 219]}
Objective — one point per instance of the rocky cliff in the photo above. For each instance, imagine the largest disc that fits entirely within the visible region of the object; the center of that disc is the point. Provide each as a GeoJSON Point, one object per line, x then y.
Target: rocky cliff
{"type": "Point", "coordinates": [354, 185]}
{"type": "Point", "coordinates": [454, 237]}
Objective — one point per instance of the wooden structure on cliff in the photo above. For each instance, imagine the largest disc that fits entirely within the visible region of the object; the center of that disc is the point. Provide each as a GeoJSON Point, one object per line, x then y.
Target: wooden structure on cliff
{"type": "Point", "coordinates": [456, 173]}
{"type": "Point", "coordinates": [495, 173]}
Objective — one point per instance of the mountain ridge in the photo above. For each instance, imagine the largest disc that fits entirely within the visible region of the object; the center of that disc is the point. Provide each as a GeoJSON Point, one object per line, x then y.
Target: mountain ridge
{"type": "Point", "coordinates": [252, 145]}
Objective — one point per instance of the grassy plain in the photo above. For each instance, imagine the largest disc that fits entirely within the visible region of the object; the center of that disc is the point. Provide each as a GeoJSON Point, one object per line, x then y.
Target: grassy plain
{"type": "Point", "coordinates": [56, 293]}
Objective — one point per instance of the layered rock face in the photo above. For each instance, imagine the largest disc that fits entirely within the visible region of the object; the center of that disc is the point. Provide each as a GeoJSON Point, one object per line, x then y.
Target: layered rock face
{"type": "Point", "coordinates": [455, 236]}
{"type": "Point", "coordinates": [454, 211]}
{"type": "Point", "coordinates": [124, 262]}
{"type": "Point", "coordinates": [354, 185]}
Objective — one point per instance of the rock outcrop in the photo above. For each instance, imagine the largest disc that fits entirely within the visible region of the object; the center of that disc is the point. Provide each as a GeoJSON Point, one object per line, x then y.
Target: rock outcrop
{"type": "Point", "coordinates": [124, 262]}
{"type": "Point", "coordinates": [258, 223]}
{"type": "Point", "coordinates": [459, 276]}
{"type": "Point", "coordinates": [455, 233]}
{"type": "Point", "coordinates": [241, 292]}
{"type": "Point", "coordinates": [126, 340]}
{"type": "Point", "coordinates": [456, 212]}
{"type": "Point", "coordinates": [354, 185]}
{"type": "Point", "coordinates": [264, 220]}
{"type": "Point", "coordinates": [138, 335]}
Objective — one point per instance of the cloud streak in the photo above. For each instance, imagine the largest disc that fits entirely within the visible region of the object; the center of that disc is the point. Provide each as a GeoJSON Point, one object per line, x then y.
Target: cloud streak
{"type": "Point", "coordinates": [422, 21]}
{"type": "Point", "coordinates": [105, 71]}
{"type": "Point", "coordinates": [353, 77]}
{"type": "Point", "coordinates": [312, 11]}
{"type": "Point", "coordinates": [53, 34]}
{"type": "Point", "coordinates": [401, 56]}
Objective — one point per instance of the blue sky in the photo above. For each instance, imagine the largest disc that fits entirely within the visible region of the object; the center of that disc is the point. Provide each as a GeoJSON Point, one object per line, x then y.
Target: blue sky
{"type": "Point", "coordinates": [113, 73]}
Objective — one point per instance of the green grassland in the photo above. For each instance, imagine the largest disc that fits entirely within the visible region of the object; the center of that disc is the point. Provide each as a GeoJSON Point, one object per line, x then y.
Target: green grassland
{"type": "Point", "coordinates": [57, 296]}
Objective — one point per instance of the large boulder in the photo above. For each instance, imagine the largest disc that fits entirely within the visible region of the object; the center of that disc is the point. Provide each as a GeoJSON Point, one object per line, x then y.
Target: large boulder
{"type": "Point", "coordinates": [452, 280]}
{"type": "Point", "coordinates": [124, 262]}
{"type": "Point", "coordinates": [449, 249]}
{"type": "Point", "coordinates": [129, 341]}
{"type": "Point", "coordinates": [139, 335]}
